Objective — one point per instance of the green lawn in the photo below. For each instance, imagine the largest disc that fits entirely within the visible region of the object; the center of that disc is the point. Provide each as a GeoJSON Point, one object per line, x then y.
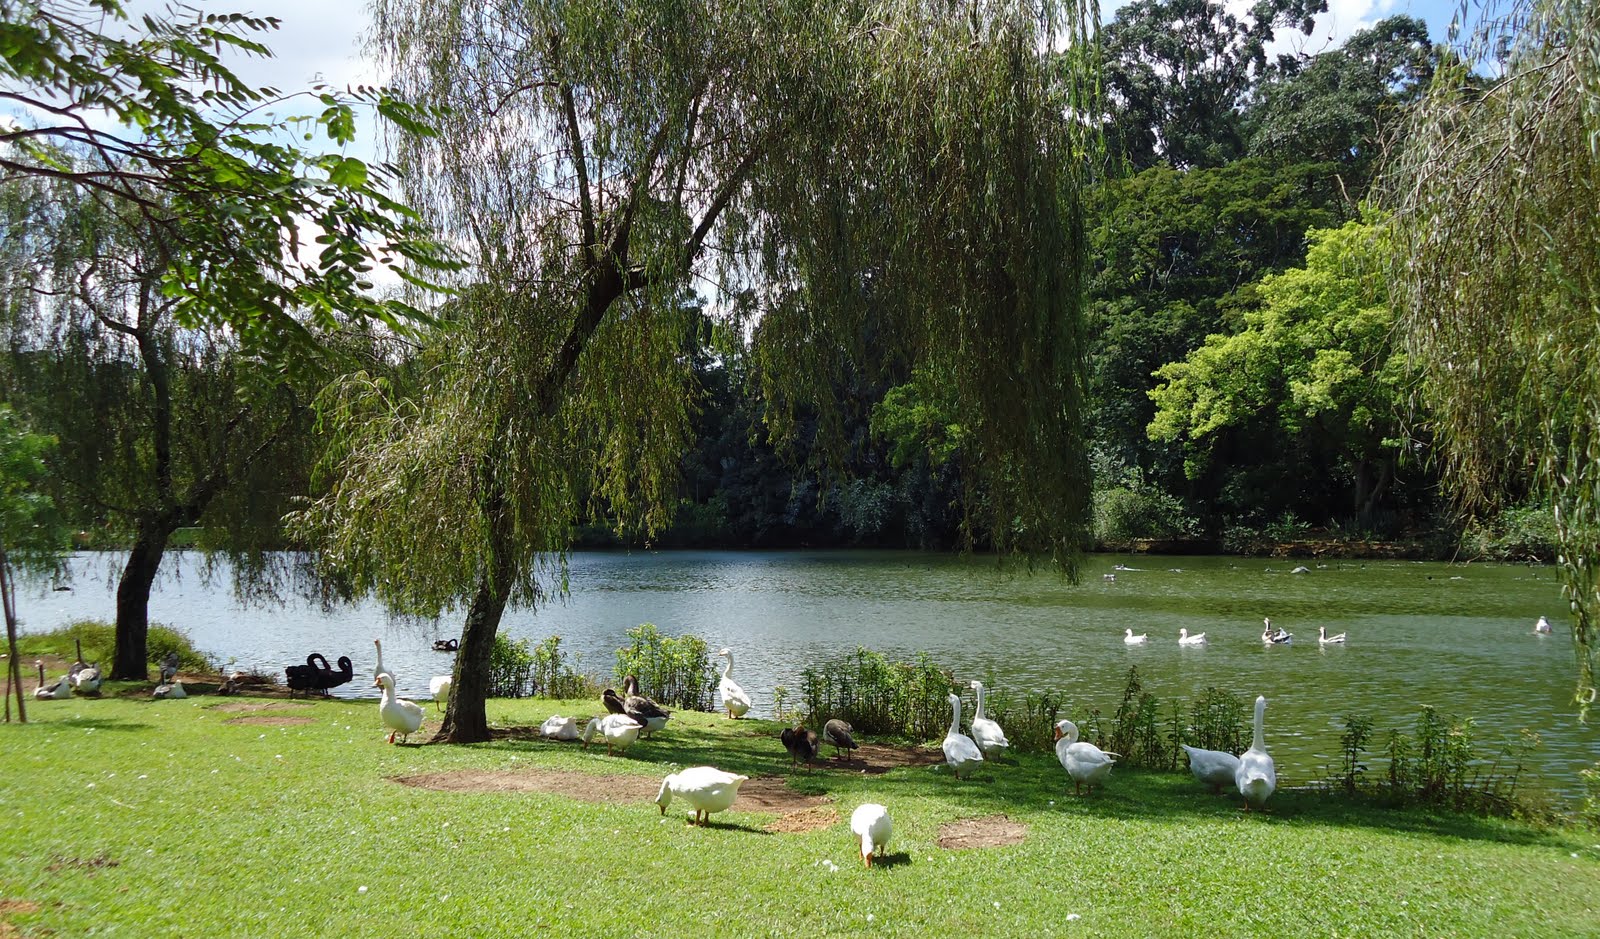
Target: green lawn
{"type": "Point", "coordinates": [145, 818]}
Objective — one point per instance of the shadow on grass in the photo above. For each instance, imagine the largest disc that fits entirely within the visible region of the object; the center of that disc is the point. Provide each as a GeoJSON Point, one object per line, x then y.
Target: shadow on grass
{"type": "Point", "coordinates": [103, 723]}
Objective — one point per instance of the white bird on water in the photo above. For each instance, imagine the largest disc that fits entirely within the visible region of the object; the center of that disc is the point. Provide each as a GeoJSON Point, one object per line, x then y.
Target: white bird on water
{"type": "Point", "coordinates": [1129, 638]}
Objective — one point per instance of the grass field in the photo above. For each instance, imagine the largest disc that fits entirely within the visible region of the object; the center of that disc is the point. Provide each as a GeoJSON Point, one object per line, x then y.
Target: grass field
{"type": "Point", "coordinates": [124, 816]}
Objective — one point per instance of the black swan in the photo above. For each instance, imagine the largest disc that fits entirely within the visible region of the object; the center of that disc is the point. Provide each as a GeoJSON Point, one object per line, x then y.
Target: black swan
{"type": "Point", "coordinates": [315, 675]}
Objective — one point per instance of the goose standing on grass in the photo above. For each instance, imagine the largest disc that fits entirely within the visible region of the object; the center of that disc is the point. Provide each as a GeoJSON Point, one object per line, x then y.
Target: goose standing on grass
{"type": "Point", "coordinates": [1184, 639]}
{"type": "Point", "coordinates": [1087, 764]}
{"type": "Point", "coordinates": [61, 689]}
{"type": "Point", "coordinates": [557, 727]}
{"type": "Point", "coordinates": [1327, 640]}
{"type": "Point", "coordinates": [734, 698]}
{"type": "Point", "coordinates": [1274, 637]}
{"type": "Point", "coordinates": [1128, 638]}
{"type": "Point", "coordinates": [169, 667]}
{"type": "Point", "coordinates": [399, 715]}
{"type": "Point", "coordinates": [801, 743]}
{"type": "Point", "coordinates": [1543, 626]}
{"type": "Point", "coordinates": [1213, 768]}
{"type": "Point", "coordinates": [1257, 775]}
{"type": "Point", "coordinates": [172, 689]}
{"type": "Point", "coordinates": [985, 732]}
{"type": "Point", "coordinates": [642, 709]}
{"type": "Point", "coordinates": [960, 752]}
{"type": "Point", "coordinates": [439, 687]}
{"type": "Point", "coordinates": [870, 822]}
{"type": "Point", "coordinates": [619, 731]}
{"type": "Point", "coordinates": [706, 789]}
{"type": "Point", "coordinates": [841, 735]}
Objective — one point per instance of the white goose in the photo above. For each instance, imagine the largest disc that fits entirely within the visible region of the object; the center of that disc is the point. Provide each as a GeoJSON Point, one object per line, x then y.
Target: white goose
{"type": "Point", "coordinates": [557, 727]}
{"type": "Point", "coordinates": [1184, 639]}
{"type": "Point", "coordinates": [985, 732]}
{"type": "Point", "coordinates": [871, 823]}
{"type": "Point", "coordinates": [1257, 775]}
{"type": "Point", "coordinates": [1327, 640]}
{"type": "Point", "coordinates": [620, 732]}
{"type": "Point", "coordinates": [61, 689]}
{"type": "Point", "coordinates": [735, 699]}
{"type": "Point", "coordinates": [87, 680]}
{"type": "Point", "coordinates": [1274, 637]}
{"type": "Point", "coordinates": [1213, 768]}
{"type": "Point", "coordinates": [439, 687]}
{"type": "Point", "coordinates": [399, 715]}
{"type": "Point", "coordinates": [1087, 764]}
{"type": "Point", "coordinates": [960, 752]}
{"type": "Point", "coordinates": [172, 689]}
{"type": "Point", "coordinates": [1128, 638]}
{"type": "Point", "coordinates": [1543, 626]}
{"type": "Point", "coordinates": [706, 789]}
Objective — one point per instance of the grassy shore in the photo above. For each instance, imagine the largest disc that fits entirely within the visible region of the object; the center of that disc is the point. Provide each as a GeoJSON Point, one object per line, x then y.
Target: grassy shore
{"type": "Point", "coordinates": [193, 817]}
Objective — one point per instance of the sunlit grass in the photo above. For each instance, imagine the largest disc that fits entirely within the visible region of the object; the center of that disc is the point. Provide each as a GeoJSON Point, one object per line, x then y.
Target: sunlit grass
{"type": "Point", "coordinates": [161, 817]}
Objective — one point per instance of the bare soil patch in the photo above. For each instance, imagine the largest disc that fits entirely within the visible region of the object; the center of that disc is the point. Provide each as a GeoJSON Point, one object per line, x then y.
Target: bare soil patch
{"type": "Point", "coordinates": [269, 720]}
{"type": "Point", "coordinates": [762, 794]}
{"type": "Point", "coordinates": [815, 818]}
{"type": "Point", "coordinates": [987, 831]}
{"type": "Point", "coordinates": [876, 758]}
{"type": "Point", "coordinates": [235, 707]}
{"type": "Point", "coordinates": [15, 907]}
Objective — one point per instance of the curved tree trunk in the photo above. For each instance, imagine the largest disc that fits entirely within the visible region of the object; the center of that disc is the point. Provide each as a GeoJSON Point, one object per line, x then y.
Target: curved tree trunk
{"type": "Point", "coordinates": [130, 661]}
{"type": "Point", "coordinates": [465, 718]}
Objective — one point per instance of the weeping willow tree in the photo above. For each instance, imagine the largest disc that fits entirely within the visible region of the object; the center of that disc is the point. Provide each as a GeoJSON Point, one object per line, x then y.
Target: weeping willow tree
{"type": "Point", "coordinates": [808, 167]}
{"type": "Point", "coordinates": [1496, 197]}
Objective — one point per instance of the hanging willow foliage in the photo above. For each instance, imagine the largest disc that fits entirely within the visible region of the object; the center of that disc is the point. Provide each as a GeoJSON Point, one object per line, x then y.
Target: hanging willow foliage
{"type": "Point", "coordinates": [1496, 200]}
{"type": "Point", "coordinates": [859, 185]}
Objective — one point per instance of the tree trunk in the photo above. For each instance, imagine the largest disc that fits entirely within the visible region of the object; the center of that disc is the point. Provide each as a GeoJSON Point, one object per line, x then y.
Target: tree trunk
{"type": "Point", "coordinates": [8, 594]}
{"type": "Point", "coordinates": [130, 661]}
{"type": "Point", "coordinates": [465, 718]}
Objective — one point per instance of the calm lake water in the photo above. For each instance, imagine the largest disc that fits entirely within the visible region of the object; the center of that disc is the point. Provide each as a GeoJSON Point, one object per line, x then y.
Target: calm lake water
{"type": "Point", "coordinates": [1457, 637]}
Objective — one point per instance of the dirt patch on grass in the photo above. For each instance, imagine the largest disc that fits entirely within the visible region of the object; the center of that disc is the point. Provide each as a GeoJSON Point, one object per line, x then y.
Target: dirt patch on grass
{"type": "Point", "coordinates": [268, 720]}
{"type": "Point", "coordinates": [60, 862]}
{"type": "Point", "coordinates": [815, 818]}
{"type": "Point", "coordinates": [876, 758]}
{"type": "Point", "coordinates": [17, 907]}
{"type": "Point", "coordinates": [245, 707]}
{"type": "Point", "coordinates": [762, 794]}
{"type": "Point", "coordinates": [988, 831]}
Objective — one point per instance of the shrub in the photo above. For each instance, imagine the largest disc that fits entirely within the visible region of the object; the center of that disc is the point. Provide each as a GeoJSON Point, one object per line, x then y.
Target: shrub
{"type": "Point", "coordinates": [1353, 747]}
{"type": "Point", "coordinates": [1135, 730]}
{"type": "Point", "coordinates": [1520, 533]}
{"type": "Point", "coordinates": [905, 699]}
{"type": "Point", "coordinates": [1591, 801]}
{"type": "Point", "coordinates": [554, 678]}
{"type": "Point", "coordinates": [1217, 721]}
{"type": "Point", "coordinates": [1029, 722]}
{"type": "Point", "coordinates": [1437, 764]}
{"type": "Point", "coordinates": [675, 671]}
{"type": "Point", "coordinates": [99, 640]}
{"type": "Point", "coordinates": [510, 668]}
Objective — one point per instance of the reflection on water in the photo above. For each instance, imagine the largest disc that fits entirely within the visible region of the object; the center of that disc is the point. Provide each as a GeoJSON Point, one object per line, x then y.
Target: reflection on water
{"type": "Point", "coordinates": [1460, 638]}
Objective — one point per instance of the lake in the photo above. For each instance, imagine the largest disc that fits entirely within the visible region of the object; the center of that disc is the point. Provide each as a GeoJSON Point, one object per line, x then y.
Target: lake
{"type": "Point", "coordinates": [1459, 637]}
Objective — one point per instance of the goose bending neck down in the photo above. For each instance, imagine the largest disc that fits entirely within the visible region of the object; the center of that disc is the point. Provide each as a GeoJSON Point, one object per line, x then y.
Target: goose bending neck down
{"type": "Point", "coordinates": [706, 789]}
{"type": "Point", "coordinates": [870, 822]}
{"type": "Point", "coordinates": [961, 753]}
{"type": "Point", "coordinates": [1257, 775]}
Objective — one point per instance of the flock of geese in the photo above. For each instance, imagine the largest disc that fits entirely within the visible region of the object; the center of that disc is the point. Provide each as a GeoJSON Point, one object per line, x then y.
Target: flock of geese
{"type": "Point", "coordinates": [1270, 635]}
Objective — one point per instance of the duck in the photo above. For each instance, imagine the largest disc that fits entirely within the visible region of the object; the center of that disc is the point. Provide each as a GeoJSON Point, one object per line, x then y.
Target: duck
{"type": "Point", "coordinates": [1257, 775]}
{"type": "Point", "coordinates": [61, 689]}
{"type": "Point", "coordinates": [871, 823]}
{"type": "Point", "coordinates": [1214, 768]}
{"type": "Point", "coordinates": [446, 645]}
{"type": "Point", "coordinates": [1087, 764]}
{"type": "Point", "coordinates": [734, 698]}
{"type": "Point", "coordinates": [841, 735]}
{"type": "Point", "coordinates": [706, 789]}
{"type": "Point", "coordinates": [169, 667]}
{"type": "Point", "coordinates": [642, 709]}
{"type": "Point", "coordinates": [1543, 626]}
{"type": "Point", "coordinates": [620, 732]}
{"type": "Point", "coordinates": [1327, 640]}
{"type": "Point", "coordinates": [439, 687]}
{"type": "Point", "coordinates": [985, 732]}
{"type": "Point", "coordinates": [172, 689]}
{"type": "Point", "coordinates": [556, 727]}
{"type": "Point", "coordinates": [399, 715]}
{"type": "Point", "coordinates": [613, 702]}
{"type": "Point", "coordinates": [1128, 638]}
{"type": "Point", "coordinates": [801, 743]}
{"type": "Point", "coordinates": [1184, 639]}
{"type": "Point", "coordinates": [1274, 637]}
{"type": "Point", "coordinates": [961, 753]}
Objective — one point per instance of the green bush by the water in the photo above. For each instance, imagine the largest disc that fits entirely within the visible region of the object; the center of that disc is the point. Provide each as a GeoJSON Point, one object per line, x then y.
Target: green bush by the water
{"type": "Point", "coordinates": [876, 696]}
{"type": "Point", "coordinates": [674, 670]}
{"type": "Point", "coordinates": [99, 641]}
{"type": "Point", "coordinates": [554, 677]}
{"type": "Point", "coordinates": [510, 668]}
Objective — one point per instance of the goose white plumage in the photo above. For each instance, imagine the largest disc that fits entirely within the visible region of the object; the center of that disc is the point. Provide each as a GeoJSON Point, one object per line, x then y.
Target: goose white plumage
{"type": "Point", "coordinates": [871, 823]}
{"type": "Point", "coordinates": [1274, 637]}
{"type": "Point", "coordinates": [1184, 639]}
{"type": "Point", "coordinates": [1214, 768]}
{"type": "Point", "coordinates": [62, 688]}
{"type": "Point", "coordinates": [439, 687]}
{"type": "Point", "coordinates": [399, 715]}
{"type": "Point", "coordinates": [1327, 640]}
{"type": "Point", "coordinates": [1087, 764]}
{"type": "Point", "coordinates": [619, 731]}
{"type": "Point", "coordinates": [986, 733]}
{"type": "Point", "coordinates": [706, 789]}
{"type": "Point", "coordinates": [1257, 775]}
{"type": "Point", "coordinates": [172, 689]}
{"type": "Point", "coordinates": [1543, 626]}
{"type": "Point", "coordinates": [961, 753]}
{"type": "Point", "coordinates": [557, 727]}
{"type": "Point", "coordinates": [734, 698]}
{"type": "Point", "coordinates": [1130, 639]}
{"type": "Point", "coordinates": [87, 680]}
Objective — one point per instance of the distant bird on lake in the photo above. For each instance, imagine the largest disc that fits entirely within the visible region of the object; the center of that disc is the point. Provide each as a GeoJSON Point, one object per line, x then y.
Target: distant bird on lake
{"type": "Point", "coordinates": [1327, 640]}
{"type": "Point", "coordinates": [1543, 626]}
{"type": "Point", "coordinates": [1184, 639]}
{"type": "Point", "coordinates": [1274, 637]}
{"type": "Point", "coordinates": [446, 645]}
{"type": "Point", "coordinates": [841, 735]}
{"type": "Point", "coordinates": [1129, 638]}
